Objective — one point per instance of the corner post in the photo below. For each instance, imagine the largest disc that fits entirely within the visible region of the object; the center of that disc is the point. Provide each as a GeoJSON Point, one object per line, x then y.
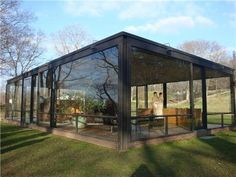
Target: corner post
{"type": "Point", "coordinates": [52, 98]}
{"type": "Point", "coordinates": [124, 89]}
{"type": "Point", "coordinates": [232, 98]}
{"type": "Point", "coordinates": [204, 98]}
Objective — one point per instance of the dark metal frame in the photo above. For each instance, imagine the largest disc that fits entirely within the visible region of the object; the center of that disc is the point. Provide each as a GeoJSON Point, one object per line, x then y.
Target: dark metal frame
{"type": "Point", "coordinates": [125, 42]}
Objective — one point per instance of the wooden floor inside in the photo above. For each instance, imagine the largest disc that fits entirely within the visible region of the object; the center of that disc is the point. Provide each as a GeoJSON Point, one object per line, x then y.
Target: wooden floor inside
{"type": "Point", "coordinates": [145, 133]}
{"type": "Point", "coordinates": [107, 133]}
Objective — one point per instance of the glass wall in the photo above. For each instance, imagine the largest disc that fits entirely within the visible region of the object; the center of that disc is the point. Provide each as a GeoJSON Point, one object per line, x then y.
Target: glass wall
{"type": "Point", "coordinates": [44, 97]}
{"type": "Point", "coordinates": [155, 119]}
{"type": "Point", "coordinates": [158, 88]}
{"type": "Point", "coordinates": [197, 94]}
{"type": "Point", "coordinates": [87, 94]}
{"type": "Point", "coordinates": [27, 99]}
{"type": "Point", "coordinates": [35, 97]}
{"type": "Point", "coordinates": [218, 99]}
{"type": "Point", "coordinates": [10, 96]}
{"type": "Point", "coordinates": [17, 95]}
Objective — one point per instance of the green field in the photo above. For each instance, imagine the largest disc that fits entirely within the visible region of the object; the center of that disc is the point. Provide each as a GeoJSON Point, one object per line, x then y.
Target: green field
{"type": "Point", "coordinates": [26, 153]}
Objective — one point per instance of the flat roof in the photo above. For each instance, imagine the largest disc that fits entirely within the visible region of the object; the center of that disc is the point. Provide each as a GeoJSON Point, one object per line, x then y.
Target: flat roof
{"type": "Point", "coordinates": [174, 53]}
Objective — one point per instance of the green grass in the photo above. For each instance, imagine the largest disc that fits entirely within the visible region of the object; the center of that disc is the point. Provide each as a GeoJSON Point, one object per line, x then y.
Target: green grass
{"type": "Point", "coordinates": [26, 153]}
{"type": "Point", "coordinates": [216, 119]}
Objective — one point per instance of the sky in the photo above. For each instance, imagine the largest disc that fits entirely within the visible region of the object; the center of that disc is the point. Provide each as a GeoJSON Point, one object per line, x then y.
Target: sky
{"type": "Point", "coordinates": [166, 22]}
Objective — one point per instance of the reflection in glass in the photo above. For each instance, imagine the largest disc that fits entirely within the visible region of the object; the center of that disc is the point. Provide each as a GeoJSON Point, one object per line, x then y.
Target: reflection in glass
{"type": "Point", "coordinates": [27, 99]}
{"type": "Point", "coordinates": [44, 97]}
{"type": "Point", "coordinates": [35, 97]}
{"type": "Point", "coordinates": [10, 97]}
{"type": "Point", "coordinates": [16, 101]}
{"type": "Point", "coordinates": [88, 87]}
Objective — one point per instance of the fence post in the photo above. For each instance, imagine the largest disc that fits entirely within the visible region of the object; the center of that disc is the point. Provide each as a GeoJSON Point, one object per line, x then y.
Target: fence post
{"type": "Point", "coordinates": [166, 125]}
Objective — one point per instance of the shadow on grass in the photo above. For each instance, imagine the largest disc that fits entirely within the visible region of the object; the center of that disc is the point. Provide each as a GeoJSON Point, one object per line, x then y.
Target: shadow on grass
{"type": "Point", "coordinates": [160, 166]}
{"type": "Point", "coordinates": [23, 144]}
{"type": "Point", "coordinates": [142, 171]}
{"type": "Point", "coordinates": [5, 128]}
{"type": "Point", "coordinates": [175, 160]}
{"type": "Point", "coordinates": [23, 137]}
{"type": "Point", "coordinates": [13, 133]}
{"type": "Point", "coordinates": [225, 148]}
{"type": "Point", "coordinates": [13, 137]}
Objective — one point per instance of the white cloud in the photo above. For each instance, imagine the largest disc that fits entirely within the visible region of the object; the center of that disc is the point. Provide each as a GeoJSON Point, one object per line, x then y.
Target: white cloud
{"type": "Point", "coordinates": [171, 24]}
{"type": "Point", "coordinates": [89, 7]}
{"type": "Point", "coordinates": [142, 9]}
{"type": "Point", "coordinates": [204, 21]}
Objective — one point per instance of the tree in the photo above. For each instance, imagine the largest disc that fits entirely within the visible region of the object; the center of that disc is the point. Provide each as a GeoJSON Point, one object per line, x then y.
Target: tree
{"type": "Point", "coordinates": [210, 50]}
{"type": "Point", "coordinates": [206, 49]}
{"type": "Point", "coordinates": [20, 44]}
{"type": "Point", "coordinates": [70, 39]}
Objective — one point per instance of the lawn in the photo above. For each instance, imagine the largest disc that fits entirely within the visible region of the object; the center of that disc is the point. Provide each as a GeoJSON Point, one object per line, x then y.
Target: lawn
{"type": "Point", "coordinates": [26, 153]}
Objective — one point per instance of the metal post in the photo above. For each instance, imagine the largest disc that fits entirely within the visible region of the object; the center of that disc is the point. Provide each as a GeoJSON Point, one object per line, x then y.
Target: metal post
{"type": "Point", "coordinates": [52, 99]}
{"type": "Point", "coordinates": [164, 95]}
{"type": "Point", "coordinates": [136, 98]}
{"type": "Point", "coordinates": [76, 124]}
{"type": "Point", "coordinates": [146, 95]}
{"type": "Point", "coordinates": [124, 89]}
{"type": "Point", "coordinates": [222, 120]}
{"type": "Point", "coordinates": [191, 97]}
{"type": "Point", "coordinates": [32, 99]}
{"type": "Point", "coordinates": [166, 125]}
{"type": "Point", "coordinates": [22, 122]}
{"type": "Point", "coordinates": [204, 98]}
{"type": "Point", "coordinates": [38, 98]}
{"type": "Point", "coordinates": [232, 99]}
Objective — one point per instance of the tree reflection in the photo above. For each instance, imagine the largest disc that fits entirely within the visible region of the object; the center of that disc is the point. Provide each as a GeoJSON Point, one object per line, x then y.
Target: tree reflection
{"type": "Point", "coordinates": [89, 85]}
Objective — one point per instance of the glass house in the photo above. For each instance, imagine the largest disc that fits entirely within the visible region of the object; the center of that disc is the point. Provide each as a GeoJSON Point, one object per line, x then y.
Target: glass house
{"type": "Point", "coordinates": [124, 89]}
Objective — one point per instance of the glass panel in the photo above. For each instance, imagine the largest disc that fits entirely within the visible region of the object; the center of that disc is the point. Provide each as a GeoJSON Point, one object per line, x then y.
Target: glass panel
{"type": "Point", "coordinates": [141, 97]}
{"type": "Point", "coordinates": [133, 101]}
{"type": "Point", "coordinates": [197, 94]}
{"type": "Point", "coordinates": [27, 99]}
{"type": "Point", "coordinates": [148, 68]}
{"type": "Point", "coordinates": [218, 94]}
{"type": "Point", "coordinates": [10, 96]}
{"type": "Point", "coordinates": [17, 95]}
{"type": "Point", "coordinates": [44, 97]}
{"type": "Point", "coordinates": [35, 99]}
{"type": "Point", "coordinates": [152, 89]}
{"type": "Point", "coordinates": [178, 95]}
{"type": "Point", "coordinates": [87, 92]}
{"type": "Point", "coordinates": [218, 98]}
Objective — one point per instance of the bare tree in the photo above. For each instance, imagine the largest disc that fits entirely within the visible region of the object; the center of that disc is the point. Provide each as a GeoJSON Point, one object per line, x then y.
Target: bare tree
{"type": "Point", "coordinates": [206, 49]}
{"type": "Point", "coordinates": [70, 39]}
{"type": "Point", "coordinates": [20, 44]}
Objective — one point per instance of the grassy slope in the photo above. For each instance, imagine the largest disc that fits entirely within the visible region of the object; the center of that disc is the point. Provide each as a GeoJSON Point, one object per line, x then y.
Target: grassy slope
{"type": "Point", "coordinates": [26, 152]}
